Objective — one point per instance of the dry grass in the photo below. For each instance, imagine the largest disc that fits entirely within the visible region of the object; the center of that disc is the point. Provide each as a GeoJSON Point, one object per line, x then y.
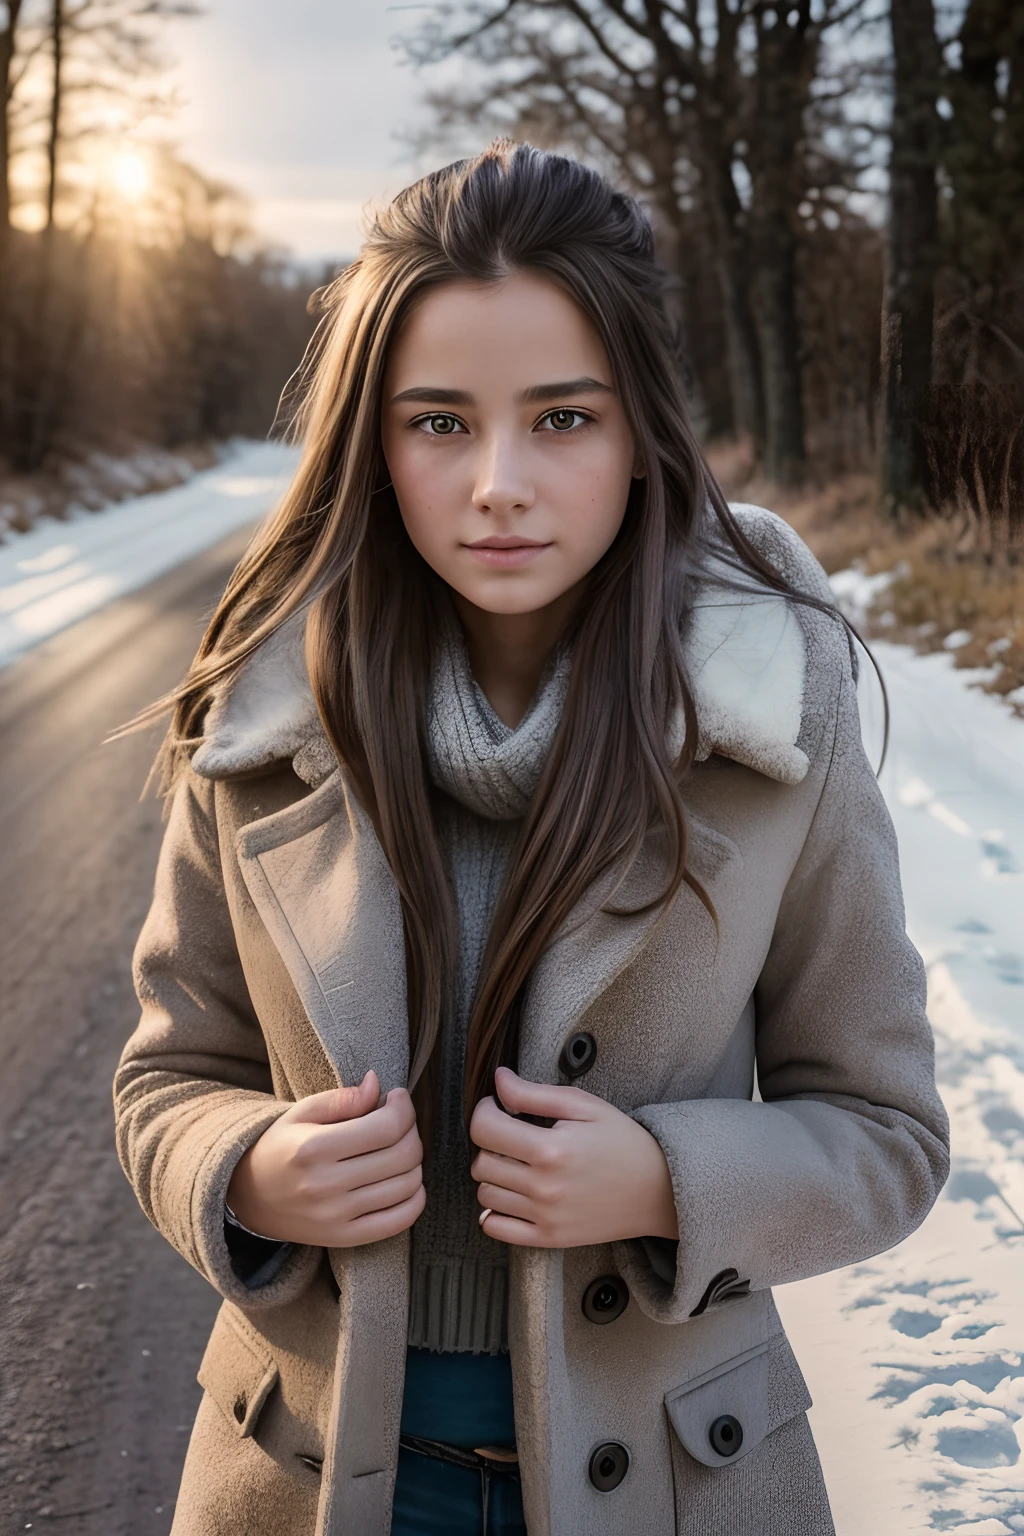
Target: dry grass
{"type": "Point", "coordinates": [947, 581]}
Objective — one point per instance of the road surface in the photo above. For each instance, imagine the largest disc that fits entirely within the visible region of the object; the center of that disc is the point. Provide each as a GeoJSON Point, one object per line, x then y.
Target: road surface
{"type": "Point", "coordinates": [103, 1324]}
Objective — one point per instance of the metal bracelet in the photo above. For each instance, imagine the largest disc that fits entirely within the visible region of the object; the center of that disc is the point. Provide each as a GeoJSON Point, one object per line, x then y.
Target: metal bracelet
{"type": "Point", "coordinates": [233, 1221]}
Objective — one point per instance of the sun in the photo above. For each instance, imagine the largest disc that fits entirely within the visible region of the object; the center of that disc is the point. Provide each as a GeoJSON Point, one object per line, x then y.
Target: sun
{"type": "Point", "coordinates": [130, 176]}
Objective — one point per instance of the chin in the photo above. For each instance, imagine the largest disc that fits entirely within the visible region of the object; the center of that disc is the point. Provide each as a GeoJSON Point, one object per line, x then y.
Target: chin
{"type": "Point", "coordinates": [511, 601]}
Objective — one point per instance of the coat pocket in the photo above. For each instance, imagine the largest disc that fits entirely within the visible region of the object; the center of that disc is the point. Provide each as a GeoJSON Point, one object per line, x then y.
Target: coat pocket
{"type": "Point", "coordinates": [743, 1460]}
{"type": "Point", "coordinates": [723, 1415]}
{"type": "Point", "coordinates": [237, 1371]}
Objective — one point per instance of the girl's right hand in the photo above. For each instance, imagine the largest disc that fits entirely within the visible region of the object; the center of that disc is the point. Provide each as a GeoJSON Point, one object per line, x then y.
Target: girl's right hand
{"type": "Point", "coordinates": [335, 1170]}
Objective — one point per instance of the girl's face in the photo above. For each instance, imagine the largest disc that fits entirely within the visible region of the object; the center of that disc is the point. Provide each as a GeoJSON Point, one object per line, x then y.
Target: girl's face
{"type": "Point", "coordinates": [507, 446]}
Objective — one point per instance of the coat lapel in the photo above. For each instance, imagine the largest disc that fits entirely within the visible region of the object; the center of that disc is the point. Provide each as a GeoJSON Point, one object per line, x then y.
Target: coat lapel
{"type": "Point", "coordinates": [319, 880]}
{"type": "Point", "coordinates": [323, 889]}
{"type": "Point", "coordinates": [595, 945]}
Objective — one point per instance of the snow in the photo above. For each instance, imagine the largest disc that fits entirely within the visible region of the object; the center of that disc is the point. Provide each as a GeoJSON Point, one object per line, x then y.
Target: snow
{"type": "Point", "coordinates": [61, 571]}
{"type": "Point", "coordinates": [916, 1358]}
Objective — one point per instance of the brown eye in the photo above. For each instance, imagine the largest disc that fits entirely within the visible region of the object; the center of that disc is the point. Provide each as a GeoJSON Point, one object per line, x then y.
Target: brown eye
{"type": "Point", "coordinates": [563, 420]}
{"type": "Point", "coordinates": [442, 426]}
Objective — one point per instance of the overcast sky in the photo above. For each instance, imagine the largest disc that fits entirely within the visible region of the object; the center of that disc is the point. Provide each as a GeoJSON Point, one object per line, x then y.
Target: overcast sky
{"type": "Point", "coordinates": [298, 106]}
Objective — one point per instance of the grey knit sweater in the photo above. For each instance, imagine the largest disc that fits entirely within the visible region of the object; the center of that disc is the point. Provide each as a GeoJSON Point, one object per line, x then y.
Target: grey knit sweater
{"type": "Point", "coordinates": [488, 772]}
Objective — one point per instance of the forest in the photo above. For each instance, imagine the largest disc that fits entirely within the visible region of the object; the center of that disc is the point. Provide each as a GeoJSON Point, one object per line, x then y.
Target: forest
{"type": "Point", "coordinates": [135, 305]}
{"type": "Point", "coordinates": [837, 188]}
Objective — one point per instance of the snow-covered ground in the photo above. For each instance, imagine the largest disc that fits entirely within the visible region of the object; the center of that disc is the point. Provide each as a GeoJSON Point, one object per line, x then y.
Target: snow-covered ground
{"type": "Point", "coordinates": [61, 571]}
{"type": "Point", "coordinates": [916, 1359]}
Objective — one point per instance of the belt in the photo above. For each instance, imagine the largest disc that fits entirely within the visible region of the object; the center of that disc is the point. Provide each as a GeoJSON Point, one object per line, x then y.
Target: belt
{"type": "Point", "coordinates": [492, 1458]}
{"type": "Point", "coordinates": [488, 1460]}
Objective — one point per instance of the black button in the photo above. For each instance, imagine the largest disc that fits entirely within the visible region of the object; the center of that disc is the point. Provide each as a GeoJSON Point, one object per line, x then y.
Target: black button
{"type": "Point", "coordinates": [240, 1407]}
{"type": "Point", "coordinates": [605, 1299]}
{"type": "Point", "coordinates": [578, 1055]}
{"type": "Point", "coordinates": [608, 1466]}
{"type": "Point", "coordinates": [726, 1435]}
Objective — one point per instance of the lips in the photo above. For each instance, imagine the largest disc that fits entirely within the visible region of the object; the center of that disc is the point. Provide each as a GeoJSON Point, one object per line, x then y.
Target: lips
{"type": "Point", "coordinates": [505, 552]}
{"type": "Point", "coordinates": [506, 541]}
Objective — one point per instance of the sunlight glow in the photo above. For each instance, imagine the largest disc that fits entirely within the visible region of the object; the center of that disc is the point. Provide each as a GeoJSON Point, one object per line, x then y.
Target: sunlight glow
{"type": "Point", "coordinates": [130, 176]}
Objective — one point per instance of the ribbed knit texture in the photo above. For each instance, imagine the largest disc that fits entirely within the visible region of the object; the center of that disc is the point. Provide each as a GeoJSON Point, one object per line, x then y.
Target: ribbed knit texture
{"type": "Point", "coordinates": [488, 772]}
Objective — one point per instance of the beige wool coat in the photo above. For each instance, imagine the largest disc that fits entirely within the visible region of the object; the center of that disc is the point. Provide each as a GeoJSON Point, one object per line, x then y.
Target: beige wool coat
{"type": "Point", "coordinates": [271, 966]}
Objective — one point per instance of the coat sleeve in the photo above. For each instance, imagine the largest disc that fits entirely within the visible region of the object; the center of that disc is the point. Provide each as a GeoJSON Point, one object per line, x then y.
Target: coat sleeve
{"type": "Point", "coordinates": [193, 1088]}
{"type": "Point", "coordinates": [848, 1148]}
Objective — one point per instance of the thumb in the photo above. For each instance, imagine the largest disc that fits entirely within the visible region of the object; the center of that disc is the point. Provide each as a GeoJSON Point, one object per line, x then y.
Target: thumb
{"type": "Point", "coordinates": [519, 1096]}
{"type": "Point", "coordinates": [339, 1103]}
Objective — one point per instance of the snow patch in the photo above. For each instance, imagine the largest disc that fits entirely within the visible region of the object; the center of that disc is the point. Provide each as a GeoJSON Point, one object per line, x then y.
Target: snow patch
{"type": "Point", "coordinates": [61, 572]}
{"type": "Point", "coordinates": [916, 1360]}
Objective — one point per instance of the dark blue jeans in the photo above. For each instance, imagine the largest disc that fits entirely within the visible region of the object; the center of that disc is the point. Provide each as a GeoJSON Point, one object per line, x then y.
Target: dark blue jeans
{"type": "Point", "coordinates": [463, 1400]}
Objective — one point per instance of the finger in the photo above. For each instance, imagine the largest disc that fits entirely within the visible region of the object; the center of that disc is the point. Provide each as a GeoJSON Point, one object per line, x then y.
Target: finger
{"type": "Point", "coordinates": [506, 1202]}
{"type": "Point", "coordinates": [507, 1229]}
{"type": "Point", "coordinates": [338, 1104]}
{"type": "Point", "coordinates": [520, 1096]}
{"type": "Point", "coordinates": [507, 1172]}
{"type": "Point", "coordinates": [494, 1131]}
{"type": "Point", "coordinates": [352, 1173]}
{"type": "Point", "coordinates": [382, 1195]}
{"type": "Point", "coordinates": [378, 1225]}
{"type": "Point", "coordinates": [375, 1130]}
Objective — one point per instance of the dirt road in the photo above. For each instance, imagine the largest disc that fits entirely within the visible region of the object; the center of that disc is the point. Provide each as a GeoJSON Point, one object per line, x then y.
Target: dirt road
{"type": "Point", "coordinates": [102, 1325]}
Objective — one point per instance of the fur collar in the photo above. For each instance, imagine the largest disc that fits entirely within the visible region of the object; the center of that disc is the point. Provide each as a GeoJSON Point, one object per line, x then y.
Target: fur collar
{"type": "Point", "coordinates": [747, 657]}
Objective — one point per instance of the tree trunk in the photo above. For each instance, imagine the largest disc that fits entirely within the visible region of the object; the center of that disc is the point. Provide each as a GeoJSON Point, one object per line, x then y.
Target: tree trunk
{"type": "Point", "coordinates": [786, 52]}
{"type": "Point", "coordinates": [912, 252]}
{"type": "Point", "coordinates": [732, 267]}
{"type": "Point", "coordinates": [53, 138]}
{"type": "Point", "coordinates": [785, 450]}
{"type": "Point", "coordinates": [8, 33]}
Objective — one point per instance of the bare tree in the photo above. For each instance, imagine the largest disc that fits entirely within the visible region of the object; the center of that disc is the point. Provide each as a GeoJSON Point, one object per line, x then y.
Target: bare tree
{"type": "Point", "coordinates": [9, 18]}
{"type": "Point", "coordinates": [57, 42]}
{"type": "Point", "coordinates": [913, 249]}
{"type": "Point", "coordinates": [701, 106]}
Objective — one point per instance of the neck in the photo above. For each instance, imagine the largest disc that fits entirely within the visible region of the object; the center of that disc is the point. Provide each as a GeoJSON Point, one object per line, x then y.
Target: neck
{"type": "Point", "coordinates": [509, 651]}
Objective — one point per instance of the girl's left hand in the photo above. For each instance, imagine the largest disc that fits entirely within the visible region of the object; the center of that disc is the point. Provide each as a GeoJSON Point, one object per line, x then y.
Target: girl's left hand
{"type": "Point", "coordinates": [595, 1176]}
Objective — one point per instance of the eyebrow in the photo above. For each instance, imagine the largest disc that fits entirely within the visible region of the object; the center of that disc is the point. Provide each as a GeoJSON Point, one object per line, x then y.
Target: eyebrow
{"type": "Point", "coordinates": [535, 395]}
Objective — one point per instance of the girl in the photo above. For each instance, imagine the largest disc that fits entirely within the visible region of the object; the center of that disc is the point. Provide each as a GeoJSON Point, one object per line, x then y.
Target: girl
{"type": "Point", "coordinates": [519, 814]}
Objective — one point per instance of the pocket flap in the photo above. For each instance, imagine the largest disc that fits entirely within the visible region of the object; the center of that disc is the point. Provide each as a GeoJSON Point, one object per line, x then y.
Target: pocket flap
{"type": "Point", "coordinates": [722, 1416]}
{"type": "Point", "coordinates": [236, 1372]}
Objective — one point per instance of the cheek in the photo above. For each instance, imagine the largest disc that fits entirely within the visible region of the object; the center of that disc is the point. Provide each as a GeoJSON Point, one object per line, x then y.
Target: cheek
{"type": "Point", "coordinates": [426, 484]}
{"type": "Point", "coordinates": [593, 503]}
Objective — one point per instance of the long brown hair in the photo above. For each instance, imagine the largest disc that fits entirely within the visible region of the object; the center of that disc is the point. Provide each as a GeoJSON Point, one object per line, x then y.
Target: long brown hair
{"type": "Point", "coordinates": [336, 544]}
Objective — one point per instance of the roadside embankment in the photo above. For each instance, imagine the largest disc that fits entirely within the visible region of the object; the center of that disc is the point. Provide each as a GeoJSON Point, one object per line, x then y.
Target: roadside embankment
{"type": "Point", "coordinates": [937, 583]}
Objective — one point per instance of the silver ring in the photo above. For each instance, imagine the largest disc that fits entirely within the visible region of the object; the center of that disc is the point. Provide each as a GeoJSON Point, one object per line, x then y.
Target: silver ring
{"type": "Point", "coordinates": [484, 1215]}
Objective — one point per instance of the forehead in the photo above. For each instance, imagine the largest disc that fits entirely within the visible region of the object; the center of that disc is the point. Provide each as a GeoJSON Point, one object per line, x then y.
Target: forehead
{"type": "Point", "coordinates": [518, 332]}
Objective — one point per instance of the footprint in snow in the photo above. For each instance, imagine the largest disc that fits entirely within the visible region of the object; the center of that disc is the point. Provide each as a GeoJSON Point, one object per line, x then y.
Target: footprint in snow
{"type": "Point", "coordinates": [993, 1445]}
{"type": "Point", "coordinates": [985, 1374]}
{"type": "Point", "coordinates": [972, 1184]}
{"type": "Point", "coordinates": [915, 1325]}
{"type": "Point", "coordinates": [1008, 967]}
{"type": "Point", "coordinates": [1003, 1123]}
{"type": "Point", "coordinates": [974, 1330]}
{"type": "Point", "coordinates": [998, 859]}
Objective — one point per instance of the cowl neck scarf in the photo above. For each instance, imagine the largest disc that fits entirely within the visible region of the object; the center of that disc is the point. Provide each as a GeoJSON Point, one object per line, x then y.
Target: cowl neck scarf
{"type": "Point", "coordinates": [488, 766]}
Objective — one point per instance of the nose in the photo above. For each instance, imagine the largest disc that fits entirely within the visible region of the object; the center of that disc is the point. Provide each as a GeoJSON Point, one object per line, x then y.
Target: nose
{"type": "Point", "coordinates": [502, 485]}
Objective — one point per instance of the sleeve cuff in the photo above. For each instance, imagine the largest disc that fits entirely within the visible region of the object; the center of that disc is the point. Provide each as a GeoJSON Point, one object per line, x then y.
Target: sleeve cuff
{"type": "Point", "coordinates": [255, 1260]}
